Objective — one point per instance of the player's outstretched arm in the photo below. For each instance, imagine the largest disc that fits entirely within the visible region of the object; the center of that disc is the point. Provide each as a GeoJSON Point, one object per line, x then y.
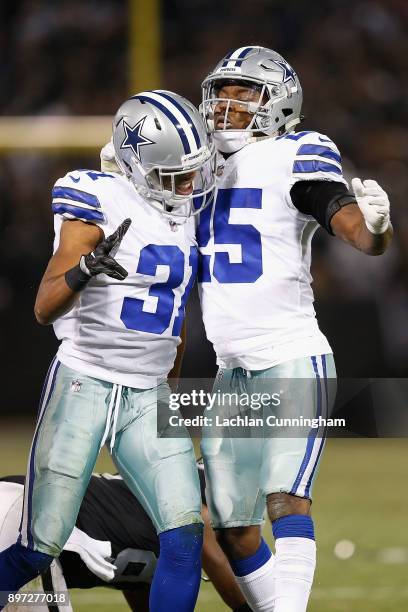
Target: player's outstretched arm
{"type": "Point", "coordinates": [365, 225]}
{"type": "Point", "coordinates": [82, 253]}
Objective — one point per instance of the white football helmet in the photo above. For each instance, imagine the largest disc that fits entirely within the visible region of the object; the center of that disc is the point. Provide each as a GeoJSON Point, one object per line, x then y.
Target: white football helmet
{"type": "Point", "coordinates": [162, 146]}
{"type": "Point", "coordinates": [278, 105]}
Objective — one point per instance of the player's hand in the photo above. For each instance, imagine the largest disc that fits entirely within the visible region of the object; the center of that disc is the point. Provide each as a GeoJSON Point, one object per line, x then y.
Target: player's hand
{"type": "Point", "coordinates": [108, 159]}
{"type": "Point", "coordinates": [101, 260]}
{"type": "Point", "coordinates": [373, 203]}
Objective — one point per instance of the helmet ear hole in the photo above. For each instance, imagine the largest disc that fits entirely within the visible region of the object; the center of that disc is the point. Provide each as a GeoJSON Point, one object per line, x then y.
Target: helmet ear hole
{"type": "Point", "coordinates": [287, 111]}
{"type": "Point", "coordinates": [153, 179]}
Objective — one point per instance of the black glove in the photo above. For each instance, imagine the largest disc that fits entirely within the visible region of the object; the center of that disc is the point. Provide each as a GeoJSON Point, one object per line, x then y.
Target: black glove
{"type": "Point", "coordinates": [244, 608]}
{"type": "Point", "coordinates": [100, 261]}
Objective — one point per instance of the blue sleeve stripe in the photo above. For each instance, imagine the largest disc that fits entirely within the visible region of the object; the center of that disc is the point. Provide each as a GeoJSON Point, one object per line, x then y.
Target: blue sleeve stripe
{"type": "Point", "coordinates": [303, 167]}
{"type": "Point", "coordinates": [311, 149]}
{"type": "Point", "coordinates": [294, 136]}
{"type": "Point", "coordinates": [79, 213]}
{"type": "Point", "coordinates": [77, 195]}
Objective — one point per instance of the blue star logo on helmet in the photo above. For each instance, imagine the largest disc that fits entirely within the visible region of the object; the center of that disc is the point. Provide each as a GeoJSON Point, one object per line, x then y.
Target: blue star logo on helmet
{"type": "Point", "coordinates": [134, 138]}
{"type": "Point", "coordinates": [288, 73]}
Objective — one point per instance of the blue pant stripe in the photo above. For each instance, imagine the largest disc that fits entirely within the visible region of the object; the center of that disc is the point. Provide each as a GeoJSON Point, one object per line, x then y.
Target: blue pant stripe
{"type": "Point", "coordinates": [324, 414]}
{"type": "Point", "coordinates": [312, 434]}
{"type": "Point", "coordinates": [45, 400]}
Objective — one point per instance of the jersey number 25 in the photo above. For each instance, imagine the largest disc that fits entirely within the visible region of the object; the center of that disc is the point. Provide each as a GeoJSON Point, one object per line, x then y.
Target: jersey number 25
{"type": "Point", "coordinates": [244, 235]}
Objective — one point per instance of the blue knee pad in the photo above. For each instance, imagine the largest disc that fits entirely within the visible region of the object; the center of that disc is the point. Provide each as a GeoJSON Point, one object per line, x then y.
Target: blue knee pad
{"type": "Point", "coordinates": [178, 573]}
{"type": "Point", "coordinates": [19, 565]}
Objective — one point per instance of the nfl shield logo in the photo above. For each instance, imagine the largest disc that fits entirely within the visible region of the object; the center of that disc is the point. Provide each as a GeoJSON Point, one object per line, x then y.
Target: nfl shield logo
{"type": "Point", "coordinates": [76, 386]}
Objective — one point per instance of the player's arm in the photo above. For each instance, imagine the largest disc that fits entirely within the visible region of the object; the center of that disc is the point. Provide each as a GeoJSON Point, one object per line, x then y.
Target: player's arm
{"type": "Point", "coordinates": [82, 253]}
{"type": "Point", "coordinates": [215, 565]}
{"type": "Point", "coordinates": [55, 297]}
{"type": "Point", "coordinates": [366, 224]}
{"type": "Point", "coordinates": [218, 569]}
{"type": "Point", "coordinates": [175, 372]}
{"type": "Point", "coordinates": [361, 219]}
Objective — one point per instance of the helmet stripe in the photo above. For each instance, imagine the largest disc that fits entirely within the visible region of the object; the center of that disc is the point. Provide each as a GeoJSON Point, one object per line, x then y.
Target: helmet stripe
{"type": "Point", "coordinates": [182, 134]}
{"type": "Point", "coordinates": [175, 117]}
{"type": "Point", "coordinates": [184, 113]}
{"type": "Point", "coordinates": [227, 58]}
{"type": "Point", "coordinates": [236, 57]}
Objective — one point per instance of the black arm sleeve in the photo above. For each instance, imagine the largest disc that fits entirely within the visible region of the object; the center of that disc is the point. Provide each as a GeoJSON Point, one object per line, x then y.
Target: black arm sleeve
{"type": "Point", "coordinates": [321, 199]}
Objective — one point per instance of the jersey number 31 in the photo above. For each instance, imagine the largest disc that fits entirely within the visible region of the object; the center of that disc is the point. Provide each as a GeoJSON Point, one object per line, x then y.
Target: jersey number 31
{"type": "Point", "coordinates": [151, 256]}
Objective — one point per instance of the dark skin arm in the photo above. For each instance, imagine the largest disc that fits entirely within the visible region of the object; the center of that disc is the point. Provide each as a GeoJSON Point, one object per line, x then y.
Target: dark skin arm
{"type": "Point", "coordinates": [215, 565]}
{"type": "Point", "coordinates": [54, 297]}
{"type": "Point", "coordinates": [175, 372]}
{"type": "Point", "coordinates": [349, 225]}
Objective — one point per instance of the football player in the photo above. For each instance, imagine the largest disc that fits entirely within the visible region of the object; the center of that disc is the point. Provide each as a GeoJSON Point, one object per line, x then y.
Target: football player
{"type": "Point", "coordinates": [276, 187]}
{"type": "Point", "coordinates": [114, 543]}
{"type": "Point", "coordinates": [115, 289]}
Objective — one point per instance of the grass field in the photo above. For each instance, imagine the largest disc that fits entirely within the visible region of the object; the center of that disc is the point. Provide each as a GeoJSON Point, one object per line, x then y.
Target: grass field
{"type": "Point", "coordinates": [360, 495]}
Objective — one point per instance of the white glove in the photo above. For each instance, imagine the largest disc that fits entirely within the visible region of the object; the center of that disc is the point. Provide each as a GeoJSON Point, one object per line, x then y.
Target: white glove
{"type": "Point", "coordinates": [373, 203]}
{"type": "Point", "coordinates": [108, 160]}
{"type": "Point", "coordinates": [94, 553]}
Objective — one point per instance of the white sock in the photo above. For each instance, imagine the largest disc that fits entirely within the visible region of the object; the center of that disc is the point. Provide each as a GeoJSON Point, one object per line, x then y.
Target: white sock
{"type": "Point", "coordinates": [258, 587]}
{"type": "Point", "coordinates": [295, 562]}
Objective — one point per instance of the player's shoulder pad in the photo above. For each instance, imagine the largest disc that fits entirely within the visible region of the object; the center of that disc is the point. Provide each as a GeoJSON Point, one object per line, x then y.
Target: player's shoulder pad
{"type": "Point", "coordinates": [77, 195]}
{"type": "Point", "coordinates": [315, 156]}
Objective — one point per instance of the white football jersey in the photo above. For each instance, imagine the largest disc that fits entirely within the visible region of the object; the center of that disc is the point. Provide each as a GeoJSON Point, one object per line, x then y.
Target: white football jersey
{"type": "Point", "coordinates": [255, 253]}
{"type": "Point", "coordinates": [125, 332]}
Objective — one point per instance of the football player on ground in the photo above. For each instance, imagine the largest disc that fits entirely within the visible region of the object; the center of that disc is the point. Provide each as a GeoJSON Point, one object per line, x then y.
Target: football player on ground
{"type": "Point", "coordinates": [276, 187]}
{"type": "Point", "coordinates": [114, 543]}
{"type": "Point", "coordinates": [115, 289]}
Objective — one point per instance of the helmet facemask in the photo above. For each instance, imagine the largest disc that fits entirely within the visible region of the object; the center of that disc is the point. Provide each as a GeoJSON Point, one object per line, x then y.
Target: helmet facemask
{"type": "Point", "coordinates": [162, 146]}
{"type": "Point", "coordinates": [274, 110]}
{"type": "Point", "coordinates": [162, 187]}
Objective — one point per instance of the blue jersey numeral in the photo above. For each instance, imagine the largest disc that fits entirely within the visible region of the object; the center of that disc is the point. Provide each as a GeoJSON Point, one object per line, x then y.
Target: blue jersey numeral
{"type": "Point", "coordinates": [178, 321]}
{"type": "Point", "coordinates": [246, 236]}
{"type": "Point", "coordinates": [157, 322]}
{"type": "Point", "coordinates": [95, 175]}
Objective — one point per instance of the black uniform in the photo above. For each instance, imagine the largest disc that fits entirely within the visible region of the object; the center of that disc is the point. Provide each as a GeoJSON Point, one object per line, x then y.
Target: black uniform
{"type": "Point", "coordinates": [110, 512]}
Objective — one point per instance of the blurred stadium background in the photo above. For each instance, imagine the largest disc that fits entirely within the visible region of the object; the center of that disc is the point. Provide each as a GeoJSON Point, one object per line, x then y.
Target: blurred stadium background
{"type": "Point", "coordinates": [64, 69]}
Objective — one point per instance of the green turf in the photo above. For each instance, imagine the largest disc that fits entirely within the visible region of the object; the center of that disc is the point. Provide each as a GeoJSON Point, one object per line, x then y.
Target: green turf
{"type": "Point", "coordinates": [360, 495]}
